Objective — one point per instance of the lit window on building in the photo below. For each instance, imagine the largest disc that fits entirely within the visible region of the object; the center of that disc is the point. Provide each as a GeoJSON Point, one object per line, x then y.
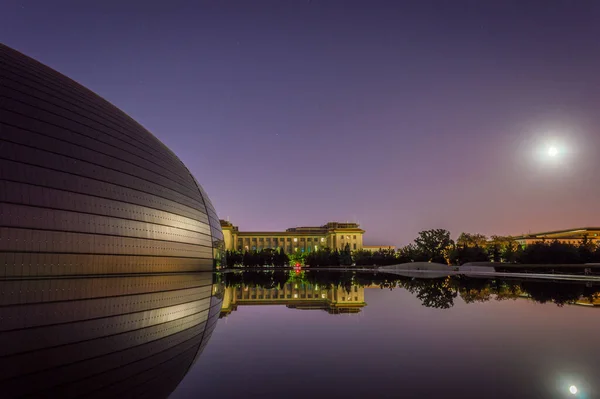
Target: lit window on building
{"type": "Point", "coordinates": [295, 240]}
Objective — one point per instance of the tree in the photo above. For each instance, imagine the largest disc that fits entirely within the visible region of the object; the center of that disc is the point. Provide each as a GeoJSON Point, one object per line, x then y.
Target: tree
{"type": "Point", "coordinates": [298, 257]}
{"type": "Point", "coordinates": [460, 255]}
{"type": "Point", "coordinates": [596, 257]}
{"type": "Point", "coordinates": [472, 240]}
{"type": "Point", "coordinates": [334, 258]}
{"type": "Point", "coordinates": [410, 253]}
{"type": "Point", "coordinates": [518, 254]}
{"type": "Point", "coordinates": [434, 245]}
{"type": "Point", "coordinates": [281, 259]}
{"type": "Point", "coordinates": [234, 258]}
{"type": "Point", "coordinates": [385, 257]}
{"type": "Point", "coordinates": [494, 253]}
{"type": "Point", "coordinates": [322, 257]}
{"type": "Point", "coordinates": [554, 252]}
{"type": "Point", "coordinates": [346, 256]}
{"type": "Point", "coordinates": [363, 257]}
{"type": "Point", "coordinates": [586, 250]}
{"type": "Point", "coordinates": [511, 252]}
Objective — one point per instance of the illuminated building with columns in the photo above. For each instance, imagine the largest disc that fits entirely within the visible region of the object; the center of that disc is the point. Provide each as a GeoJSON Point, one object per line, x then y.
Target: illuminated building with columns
{"type": "Point", "coordinates": [334, 235]}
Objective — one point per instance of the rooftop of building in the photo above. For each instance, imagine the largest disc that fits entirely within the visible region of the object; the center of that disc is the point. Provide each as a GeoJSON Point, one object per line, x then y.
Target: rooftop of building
{"type": "Point", "coordinates": [577, 232]}
{"type": "Point", "coordinates": [302, 230]}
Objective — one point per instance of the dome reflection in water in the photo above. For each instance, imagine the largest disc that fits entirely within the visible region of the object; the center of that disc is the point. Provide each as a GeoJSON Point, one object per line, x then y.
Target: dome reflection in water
{"type": "Point", "coordinates": [118, 336]}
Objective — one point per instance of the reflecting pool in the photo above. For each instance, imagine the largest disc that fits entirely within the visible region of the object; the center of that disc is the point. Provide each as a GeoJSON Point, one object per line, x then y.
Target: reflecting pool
{"type": "Point", "coordinates": [353, 335]}
{"type": "Point", "coordinates": [318, 334]}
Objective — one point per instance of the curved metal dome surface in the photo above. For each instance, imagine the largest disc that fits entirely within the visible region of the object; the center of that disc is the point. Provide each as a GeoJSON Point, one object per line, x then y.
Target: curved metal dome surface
{"type": "Point", "coordinates": [85, 189]}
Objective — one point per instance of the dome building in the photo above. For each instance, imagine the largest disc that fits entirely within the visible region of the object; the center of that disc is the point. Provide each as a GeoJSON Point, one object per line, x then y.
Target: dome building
{"type": "Point", "coordinates": [85, 189]}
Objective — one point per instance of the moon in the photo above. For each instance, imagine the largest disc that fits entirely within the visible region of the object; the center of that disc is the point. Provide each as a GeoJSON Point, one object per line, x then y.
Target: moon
{"type": "Point", "coordinates": [552, 151]}
{"type": "Point", "coordinates": [573, 389]}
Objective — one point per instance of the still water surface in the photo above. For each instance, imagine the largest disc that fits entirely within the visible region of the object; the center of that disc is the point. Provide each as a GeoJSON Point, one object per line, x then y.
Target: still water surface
{"type": "Point", "coordinates": [298, 335]}
{"type": "Point", "coordinates": [457, 338]}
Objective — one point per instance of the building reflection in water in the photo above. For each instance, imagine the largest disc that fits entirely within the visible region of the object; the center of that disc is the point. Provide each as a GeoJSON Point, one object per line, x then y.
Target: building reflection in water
{"type": "Point", "coordinates": [104, 337]}
{"type": "Point", "coordinates": [344, 292]}
{"type": "Point", "coordinates": [334, 300]}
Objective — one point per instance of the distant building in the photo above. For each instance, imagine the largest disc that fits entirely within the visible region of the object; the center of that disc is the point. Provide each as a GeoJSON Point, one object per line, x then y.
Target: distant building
{"type": "Point", "coordinates": [375, 248]}
{"type": "Point", "coordinates": [572, 236]}
{"type": "Point", "coordinates": [334, 235]}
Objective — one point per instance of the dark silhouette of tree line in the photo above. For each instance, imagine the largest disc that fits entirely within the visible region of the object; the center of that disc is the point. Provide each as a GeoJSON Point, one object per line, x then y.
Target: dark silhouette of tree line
{"type": "Point", "coordinates": [262, 258]}
{"type": "Point", "coordinates": [477, 248]}
{"type": "Point", "coordinates": [325, 257]}
{"type": "Point", "coordinates": [329, 258]}
{"type": "Point", "coordinates": [437, 246]}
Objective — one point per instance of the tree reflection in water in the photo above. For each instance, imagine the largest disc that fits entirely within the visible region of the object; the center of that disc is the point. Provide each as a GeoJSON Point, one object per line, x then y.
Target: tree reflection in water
{"type": "Point", "coordinates": [437, 293]}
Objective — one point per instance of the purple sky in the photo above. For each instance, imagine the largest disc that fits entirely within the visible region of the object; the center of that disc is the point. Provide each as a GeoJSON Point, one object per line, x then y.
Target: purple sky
{"type": "Point", "coordinates": [402, 117]}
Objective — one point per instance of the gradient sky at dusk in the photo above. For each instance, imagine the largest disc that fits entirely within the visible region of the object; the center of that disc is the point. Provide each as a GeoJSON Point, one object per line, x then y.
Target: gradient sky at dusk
{"type": "Point", "coordinates": [400, 116]}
